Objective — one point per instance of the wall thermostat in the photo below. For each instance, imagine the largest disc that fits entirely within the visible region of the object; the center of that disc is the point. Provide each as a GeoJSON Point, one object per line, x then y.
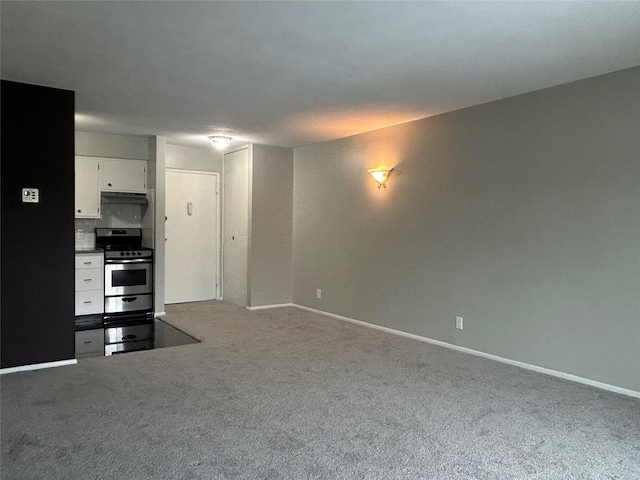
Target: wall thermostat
{"type": "Point", "coordinates": [30, 195]}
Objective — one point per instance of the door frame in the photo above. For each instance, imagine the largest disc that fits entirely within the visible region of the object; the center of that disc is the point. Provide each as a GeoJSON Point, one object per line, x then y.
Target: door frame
{"type": "Point", "coordinates": [218, 232]}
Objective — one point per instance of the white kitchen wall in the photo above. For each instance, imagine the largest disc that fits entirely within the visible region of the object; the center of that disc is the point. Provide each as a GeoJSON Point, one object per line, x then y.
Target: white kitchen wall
{"type": "Point", "coordinates": [113, 216]}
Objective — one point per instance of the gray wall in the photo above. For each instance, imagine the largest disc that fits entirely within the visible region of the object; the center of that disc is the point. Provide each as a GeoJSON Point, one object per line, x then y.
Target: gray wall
{"type": "Point", "coordinates": [257, 225]}
{"type": "Point", "coordinates": [270, 269]}
{"type": "Point", "coordinates": [520, 215]}
{"type": "Point", "coordinates": [153, 226]}
{"type": "Point", "coordinates": [192, 158]}
{"type": "Point", "coordinates": [114, 146]}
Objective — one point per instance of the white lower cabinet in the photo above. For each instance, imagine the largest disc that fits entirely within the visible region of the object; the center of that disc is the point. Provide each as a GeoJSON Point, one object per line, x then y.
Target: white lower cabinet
{"type": "Point", "coordinates": [89, 279]}
{"type": "Point", "coordinates": [90, 302]}
{"type": "Point", "coordinates": [89, 283]}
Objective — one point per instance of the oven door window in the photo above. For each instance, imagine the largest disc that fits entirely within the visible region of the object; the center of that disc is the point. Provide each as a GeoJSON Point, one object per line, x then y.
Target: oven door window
{"type": "Point", "coordinates": [123, 279]}
{"type": "Point", "coordinates": [129, 278]}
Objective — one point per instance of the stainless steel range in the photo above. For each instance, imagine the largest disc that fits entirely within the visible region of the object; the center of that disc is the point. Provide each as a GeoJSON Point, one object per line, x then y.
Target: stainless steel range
{"type": "Point", "coordinates": [128, 276]}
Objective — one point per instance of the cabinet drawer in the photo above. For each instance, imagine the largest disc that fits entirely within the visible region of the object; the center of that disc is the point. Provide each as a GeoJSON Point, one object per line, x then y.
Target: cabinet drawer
{"type": "Point", "coordinates": [89, 279]}
{"type": "Point", "coordinates": [91, 260]}
{"type": "Point", "coordinates": [91, 301]}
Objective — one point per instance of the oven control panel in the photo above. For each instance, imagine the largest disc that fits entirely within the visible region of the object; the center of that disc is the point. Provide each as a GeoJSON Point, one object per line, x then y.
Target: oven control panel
{"type": "Point", "coordinates": [115, 254]}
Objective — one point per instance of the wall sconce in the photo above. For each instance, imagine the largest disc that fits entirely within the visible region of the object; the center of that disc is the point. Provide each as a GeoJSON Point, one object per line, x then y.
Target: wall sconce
{"type": "Point", "coordinates": [380, 175]}
{"type": "Point", "coordinates": [220, 142]}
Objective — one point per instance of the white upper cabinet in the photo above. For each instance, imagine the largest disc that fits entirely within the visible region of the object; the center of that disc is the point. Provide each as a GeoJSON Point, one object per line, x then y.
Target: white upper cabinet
{"type": "Point", "coordinates": [87, 187]}
{"type": "Point", "coordinates": [96, 174]}
{"type": "Point", "coordinates": [120, 175]}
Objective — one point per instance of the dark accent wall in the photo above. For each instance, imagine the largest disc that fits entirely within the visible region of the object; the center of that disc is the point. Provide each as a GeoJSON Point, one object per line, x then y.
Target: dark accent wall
{"type": "Point", "coordinates": [37, 244]}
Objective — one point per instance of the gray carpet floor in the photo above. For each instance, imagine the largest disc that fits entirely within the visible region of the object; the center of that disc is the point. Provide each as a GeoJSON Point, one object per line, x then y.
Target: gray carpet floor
{"type": "Point", "coordinates": [290, 394]}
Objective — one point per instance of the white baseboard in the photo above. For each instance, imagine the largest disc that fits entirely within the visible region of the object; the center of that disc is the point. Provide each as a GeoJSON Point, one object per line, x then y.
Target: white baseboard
{"type": "Point", "coordinates": [159, 314]}
{"type": "Point", "coordinates": [527, 366]}
{"type": "Point", "coordinates": [38, 366]}
{"type": "Point", "coordinates": [266, 307]}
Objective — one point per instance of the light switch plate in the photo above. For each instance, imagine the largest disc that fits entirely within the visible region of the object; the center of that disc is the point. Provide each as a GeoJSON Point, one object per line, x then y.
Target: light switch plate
{"type": "Point", "coordinates": [30, 195]}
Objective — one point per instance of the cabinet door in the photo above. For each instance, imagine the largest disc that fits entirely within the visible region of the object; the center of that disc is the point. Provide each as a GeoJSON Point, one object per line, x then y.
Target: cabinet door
{"type": "Point", "coordinates": [87, 187]}
{"type": "Point", "coordinates": [120, 175]}
{"type": "Point", "coordinates": [89, 302]}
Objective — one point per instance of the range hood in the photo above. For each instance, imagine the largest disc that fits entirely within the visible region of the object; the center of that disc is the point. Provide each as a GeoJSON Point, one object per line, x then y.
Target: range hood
{"type": "Point", "coordinates": [121, 197]}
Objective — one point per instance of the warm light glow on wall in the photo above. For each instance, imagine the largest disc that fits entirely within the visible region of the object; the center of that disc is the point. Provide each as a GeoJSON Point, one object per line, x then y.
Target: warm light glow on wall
{"type": "Point", "coordinates": [380, 175]}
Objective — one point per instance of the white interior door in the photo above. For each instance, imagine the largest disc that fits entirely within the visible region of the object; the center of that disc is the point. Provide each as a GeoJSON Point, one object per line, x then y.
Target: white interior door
{"type": "Point", "coordinates": [236, 226]}
{"type": "Point", "coordinates": [192, 236]}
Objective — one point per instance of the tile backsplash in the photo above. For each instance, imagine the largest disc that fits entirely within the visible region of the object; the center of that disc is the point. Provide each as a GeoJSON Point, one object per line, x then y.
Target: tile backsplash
{"type": "Point", "coordinates": [112, 216]}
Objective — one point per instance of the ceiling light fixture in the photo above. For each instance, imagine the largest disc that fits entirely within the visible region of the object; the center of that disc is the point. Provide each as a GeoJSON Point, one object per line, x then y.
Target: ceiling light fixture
{"type": "Point", "coordinates": [220, 142]}
{"type": "Point", "coordinates": [380, 175]}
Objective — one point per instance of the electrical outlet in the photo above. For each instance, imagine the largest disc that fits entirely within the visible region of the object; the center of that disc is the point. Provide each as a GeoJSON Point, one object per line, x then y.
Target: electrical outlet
{"type": "Point", "coordinates": [318, 293]}
{"type": "Point", "coordinates": [459, 323]}
{"type": "Point", "coordinates": [80, 234]}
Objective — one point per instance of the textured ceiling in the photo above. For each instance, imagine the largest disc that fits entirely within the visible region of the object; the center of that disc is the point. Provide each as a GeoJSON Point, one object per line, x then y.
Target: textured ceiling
{"type": "Point", "coordinates": [295, 73]}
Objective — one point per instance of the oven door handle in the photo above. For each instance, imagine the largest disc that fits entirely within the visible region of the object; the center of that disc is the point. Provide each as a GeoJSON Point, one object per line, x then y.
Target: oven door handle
{"type": "Point", "coordinates": [127, 260]}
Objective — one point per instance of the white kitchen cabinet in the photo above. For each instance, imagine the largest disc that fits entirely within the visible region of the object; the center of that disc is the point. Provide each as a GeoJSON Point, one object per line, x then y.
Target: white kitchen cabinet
{"type": "Point", "coordinates": [121, 175]}
{"type": "Point", "coordinates": [87, 187]}
{"type": "Point", "coordinates": [89, 279]}
{"type": "Point", "coordinates": [89, 283]}
{"type": "Point", "coordinates": [96, 174]}
{"type": "Point", "coordinates": [90, 302]}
